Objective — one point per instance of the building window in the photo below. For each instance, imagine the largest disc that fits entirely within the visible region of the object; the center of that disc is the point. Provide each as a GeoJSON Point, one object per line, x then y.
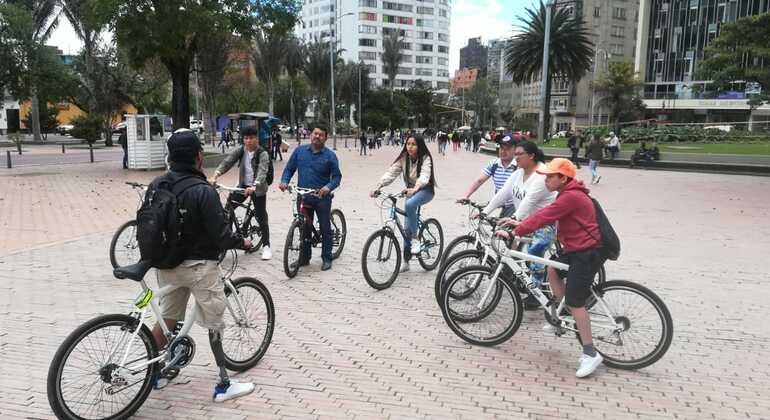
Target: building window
{"type": "Point", "coordinates": [423, 72]}
{"type": "Point", "coordinates": [367, 16]}
{"type": "Point", "coordinates": [443, 61]}
{"type": "Point", "coordinates": [597, 12]}
{"type": "Point", "coordinates": [443, 2]}
{"type": "Point", "coordinates": [405, 70]}
{"type": "Point", "coordinates": [426, 47]}
{"type": "Point", "coordinates": [371, 68]}
{"type": "Point", "coordinates": [406, 46]}
{"type": "Point", "coordinates": [618, 31]}
{"type": "Point", "coordinates": [619, 13]}
{"type": "Point", "coordinates": [400, 32]}
{"type": "Point", "coordinates": [442, 13]}
{"type": "Point", "coordinates": [367, 3]}
{"type": "Point", "coordinates": [442, 73]}
{"type": "Point", "coordinates": [616, 49]}
{"type": "Point", "coordinates": [367, 29]}
{"type": "Point", "coordinates": [424, 10]}
{"type": "Point", "coordinates": [443, 49]}
{"type": "Point", "coordinates": [427, 23]}
{"type": "Point", "coordinates": [406, 58]}
{"type": "Point", "coordinates": [402, 20]}
{"type": "Point", "coordinates": [442, 85]}
{"type": "Point", "coordinates": [421, 59]}
{"type": "Point", "coordinates": [443, 37]}
{"type": "Point", "coordinates": [366, 42]}
{"type": "Point", "coordinates": [426, 35]}
{"type": "Point", "coordinates": [367, 55]}
{"type": "Point", "coordinates": [396, 6]}
{"type": "Point", "coordinates": [327, 8]}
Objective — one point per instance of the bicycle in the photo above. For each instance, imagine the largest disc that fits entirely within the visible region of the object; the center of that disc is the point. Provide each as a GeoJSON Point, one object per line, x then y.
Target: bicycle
{"type": "Point", "coordinates": [124, 248]}
{"type": "Point", "coordinates": [387, 249]}
{"type": "Point", "coordinates": [616, 310]}
{"type": "Point", "coordinates": [470, 239]}
{"type": "Point", "coordinates": [301, 231]}
{"type": "Point", "coordinates": [115, 358]}
{"type": "Point", "coordinates": [242, 216]}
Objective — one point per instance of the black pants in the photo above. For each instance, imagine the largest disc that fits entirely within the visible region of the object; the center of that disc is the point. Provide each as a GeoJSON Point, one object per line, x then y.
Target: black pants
{"type": "Point", "coordinates": [574, 158]}
{"type": "Point", "coordinates": [260, 213]}
{"type": "Point", "coordinates": [125, 158]}
{"type": "Point", "coordinates": [362, 150]}
{"type": "Point", "coordinates": [277, 151]}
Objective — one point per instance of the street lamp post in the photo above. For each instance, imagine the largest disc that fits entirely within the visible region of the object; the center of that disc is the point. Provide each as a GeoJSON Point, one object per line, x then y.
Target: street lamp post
{"type": "Point", "coordinates": [544, 79]}
{"type": "Point", "coordinates": [333, 36]}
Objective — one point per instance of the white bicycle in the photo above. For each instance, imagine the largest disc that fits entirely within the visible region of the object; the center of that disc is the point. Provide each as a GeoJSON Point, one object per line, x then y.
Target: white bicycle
{"type": "Point", "coordinates": [106, 368]}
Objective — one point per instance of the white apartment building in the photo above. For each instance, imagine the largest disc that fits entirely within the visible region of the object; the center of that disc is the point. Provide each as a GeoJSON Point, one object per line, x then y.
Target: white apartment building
{"type": "Point", "coordinates": [360, 25]}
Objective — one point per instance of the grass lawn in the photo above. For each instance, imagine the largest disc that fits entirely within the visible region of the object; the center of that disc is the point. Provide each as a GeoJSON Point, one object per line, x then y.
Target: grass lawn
{"type": "Point", "coordinates": [716, 148]}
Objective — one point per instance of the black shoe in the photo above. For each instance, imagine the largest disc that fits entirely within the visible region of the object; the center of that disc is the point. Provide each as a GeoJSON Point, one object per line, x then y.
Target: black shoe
{"type": "Point", "coordinates": [300, 263]}
{"type": "Point", "coordinates": [530, 303]}
{"type": "Point", "coordinates": [327, 265]}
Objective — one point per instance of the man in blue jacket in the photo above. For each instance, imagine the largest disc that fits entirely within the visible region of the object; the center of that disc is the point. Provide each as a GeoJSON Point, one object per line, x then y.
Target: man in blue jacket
{"type": "Point", "coordinates": [318, 169]}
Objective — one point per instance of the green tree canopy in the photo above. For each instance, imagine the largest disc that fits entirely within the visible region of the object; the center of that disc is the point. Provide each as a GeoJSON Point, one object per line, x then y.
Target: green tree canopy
{"type": "Point", "coordinates": [618, 89]}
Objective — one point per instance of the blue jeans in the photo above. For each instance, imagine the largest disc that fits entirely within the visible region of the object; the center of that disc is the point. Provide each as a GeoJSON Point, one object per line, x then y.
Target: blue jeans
{"type": "Point", "coordinates": [322, 207]}
{"type": "Point", "coordinates": [592, 167]}
{"type": "Point", "coordinates": [420, 198]}
{"type": "Point", "coordinates": [542, 239]}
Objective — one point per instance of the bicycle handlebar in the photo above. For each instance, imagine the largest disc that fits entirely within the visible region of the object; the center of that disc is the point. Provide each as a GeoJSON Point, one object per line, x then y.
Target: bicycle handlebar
{"type": "Point", "coordinates": [299, 190]}
{"type": "Point", "coordinates": [378, 193]}
{"type": "Point", "coordinates": [231, 189]}
{"type": "Point", "coordinates": [467, 202]}
{"type": "Point", "coordinates": [136, 185]}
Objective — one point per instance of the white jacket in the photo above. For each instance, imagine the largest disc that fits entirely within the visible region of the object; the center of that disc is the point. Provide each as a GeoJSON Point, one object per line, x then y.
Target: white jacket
{"type": "Point", "coordinates": [528, 197]}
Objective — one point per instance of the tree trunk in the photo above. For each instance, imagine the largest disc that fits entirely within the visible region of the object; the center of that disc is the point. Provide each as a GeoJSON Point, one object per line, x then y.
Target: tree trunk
{"type": "Point", "coordinates": [270, 95]}
{"type": "Point", "coordinates": [35, 111]}
{"type": "Point", "coordinates": [179, 70]}
{"type": "Point", "coordinates": [293, 118]}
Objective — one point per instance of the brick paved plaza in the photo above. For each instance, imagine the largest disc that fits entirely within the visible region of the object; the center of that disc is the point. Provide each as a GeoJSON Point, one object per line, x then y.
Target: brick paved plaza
{"type": "Point", "coordinates": [344, 350]}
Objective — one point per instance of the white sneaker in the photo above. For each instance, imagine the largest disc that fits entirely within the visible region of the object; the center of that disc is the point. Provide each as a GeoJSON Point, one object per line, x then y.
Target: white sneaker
{"type": "Point", "coordinates": [549, 329]}
{"type": "Point", "coordinates": [588, 364]}
{"type": "Point", "coordinates": [266, 253]}
{"type": "Point", "coordinates": [416, 246]}
{"type": "Point", "coordinates": [235, 390]}
{"type": "Point", "coordinates": [404, 267]}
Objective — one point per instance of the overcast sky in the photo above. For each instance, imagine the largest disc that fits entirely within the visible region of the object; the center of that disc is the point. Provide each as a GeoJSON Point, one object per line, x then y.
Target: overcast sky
{"type": "Point", "coordinates": [489, 19]}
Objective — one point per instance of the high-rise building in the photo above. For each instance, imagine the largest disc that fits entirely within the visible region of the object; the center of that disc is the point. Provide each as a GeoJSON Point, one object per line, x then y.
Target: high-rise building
{"type": "Point", "coordinates": [670, 44]}
{"type": "Point", "coordinates": [474, 56]}
{"type": "Point", "coordinates": [359, 27]}
{"type": "Point", "coordinates": [496, 61]}
{"type": "Point", "coordinates": [612, 25]}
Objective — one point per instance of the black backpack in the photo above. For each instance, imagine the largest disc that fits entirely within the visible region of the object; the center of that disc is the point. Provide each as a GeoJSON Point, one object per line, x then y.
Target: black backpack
{"type": "Point", "coordinates": [270, 172]}
{"type": "Point", "coordinates": [159, 221]}
{"type": "Point", "coordinates": [610, 240]}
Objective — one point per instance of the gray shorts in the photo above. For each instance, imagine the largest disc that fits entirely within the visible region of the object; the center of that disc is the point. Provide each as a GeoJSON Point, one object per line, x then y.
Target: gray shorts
{"type": "Point", "coordinates": [201, 279]}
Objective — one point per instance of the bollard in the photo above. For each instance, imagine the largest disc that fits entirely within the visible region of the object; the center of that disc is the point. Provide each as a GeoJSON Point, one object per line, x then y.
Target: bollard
{"type": "Point", "coordinates": [62, 148]}
{"type": "Point", "coordinates": [91, 151]}
{"type": "Point", "coordinates": [18, 147]}
{"type": "Point", "coordinates": [8, 159]}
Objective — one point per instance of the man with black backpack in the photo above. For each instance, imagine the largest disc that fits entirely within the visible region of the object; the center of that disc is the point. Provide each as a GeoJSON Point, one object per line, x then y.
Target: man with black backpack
{"type": "Point", "coordinates": [255, 175]}
{"type": "Point", "coordinates": [581, 228]}
{"type": "Point", "coordinates": [181, 228]}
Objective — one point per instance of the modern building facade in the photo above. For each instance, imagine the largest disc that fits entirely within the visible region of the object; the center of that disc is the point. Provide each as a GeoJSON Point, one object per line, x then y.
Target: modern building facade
{"type": "Point", "coordinates": [496, 61]}
{"type": "Point", "coordinates": [359, 26]}
{"type": "Point", "coordinates": [671, 40]}
{"type": "Point", "coordinates": [474, 56]}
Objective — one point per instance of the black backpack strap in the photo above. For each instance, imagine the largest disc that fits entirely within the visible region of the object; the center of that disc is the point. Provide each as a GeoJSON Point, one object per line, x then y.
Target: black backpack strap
{"type": "Point", "coordinates": [593, 201]}
{"type": "Point", "coordinates": [181, 185]}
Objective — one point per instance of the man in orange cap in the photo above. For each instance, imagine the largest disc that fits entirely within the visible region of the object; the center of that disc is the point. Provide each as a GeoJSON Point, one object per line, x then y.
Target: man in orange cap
{"type": "Point", "coordinates": [577, 230]}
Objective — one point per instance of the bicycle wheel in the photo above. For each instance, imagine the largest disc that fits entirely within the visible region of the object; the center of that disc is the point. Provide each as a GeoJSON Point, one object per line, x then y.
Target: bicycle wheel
{"type": "Point", "coordinates": [646, 325]}
{"type": "Point", "coordinates": [432, 237]}
{"type": "Point", "coordinates": [247, 332]}
{"type": "Point", "coordinates": [339, 232]}
{"type": "Point", "coordinates": [452, 264]}
{"type": "Point", "coordinates": [124, 248]}
{"type": "Point", "coordinates": [85, 380]}
{"type": "Point", "coordinates": [499, 321]}
{"type": "Point", "coordinates": [381, 259]}
{"type": "Point", "coordinates": [458, 244]}
{"type": "Point", "coordinates": [249, 229]}
{"type": "Point", "coordinates": [292, 249]}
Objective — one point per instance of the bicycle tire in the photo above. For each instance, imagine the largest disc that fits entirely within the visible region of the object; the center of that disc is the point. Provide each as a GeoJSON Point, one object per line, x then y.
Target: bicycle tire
{"type": "Point", "coordinates": [432, 246]}
{"type": "Point", "coordinates": [339, 232]}
{"type": "Point", "coordinates": [461, 327]}
{"type": "Point", "coordinates": [663, 342]}
{"type": "Point", "coordinates": [252, 358]}
{"type": "Point", "coordinates": [291, 266]}
{"type": "Point", "coordinates": [388, 244]}
{"type": "Point", "coordinates": [55, 392]}
{"type": "Point", "coordinates": [451, 265]}
{"type": "Point", "coordinates": [463, 240]}
{"type": "Point", "coordinates": [132, 245]}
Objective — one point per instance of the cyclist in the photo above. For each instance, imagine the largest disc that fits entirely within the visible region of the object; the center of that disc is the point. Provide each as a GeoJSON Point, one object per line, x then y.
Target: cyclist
{"type": "Point", "coordinates": [319, 169]}
{"type": "Point", "coordinates": [205, 233]}
{"type": "Point", "coordinates": [527, 192]}
{"type": "Point", "coordinates": [499, 170]}
{"type": "Point", "coordinates": [415, 164]}
{"type": "Point", "coordinates": [253, 162]}
{"type": "Point", "coordinates": [577, 230]}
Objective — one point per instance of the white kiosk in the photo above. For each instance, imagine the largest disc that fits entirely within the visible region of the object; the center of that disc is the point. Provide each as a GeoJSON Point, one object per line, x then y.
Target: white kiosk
{"type": "Point", "coordinates": [146, 141]}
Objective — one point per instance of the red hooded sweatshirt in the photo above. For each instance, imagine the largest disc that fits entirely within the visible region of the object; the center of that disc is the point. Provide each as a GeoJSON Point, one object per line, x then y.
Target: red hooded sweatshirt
{"type": "Point", "coordinates": [575, 217]}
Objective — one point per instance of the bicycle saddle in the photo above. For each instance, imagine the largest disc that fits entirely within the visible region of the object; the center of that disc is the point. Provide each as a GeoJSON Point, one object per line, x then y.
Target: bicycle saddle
{"type": "Point", "coordinates": [134, 272]}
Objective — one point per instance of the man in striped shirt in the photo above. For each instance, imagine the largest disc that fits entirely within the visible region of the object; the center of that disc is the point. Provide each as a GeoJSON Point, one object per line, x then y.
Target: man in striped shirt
{"type": "Point", "coordinates": [499, 170]}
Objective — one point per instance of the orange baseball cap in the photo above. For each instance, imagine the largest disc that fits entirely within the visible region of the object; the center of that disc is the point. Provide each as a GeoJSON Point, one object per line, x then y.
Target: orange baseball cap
{"type": "Point", "coordinates": [559, 166]}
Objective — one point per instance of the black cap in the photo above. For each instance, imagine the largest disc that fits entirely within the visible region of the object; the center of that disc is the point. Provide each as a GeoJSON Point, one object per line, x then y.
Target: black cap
{"type": "Point", "coordinates": [507, 141]}
{"type": "Point", "coordinates": [183, 146]}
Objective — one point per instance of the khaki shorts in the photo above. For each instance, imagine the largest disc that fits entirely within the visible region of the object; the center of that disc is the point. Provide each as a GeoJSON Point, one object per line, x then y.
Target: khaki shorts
{"type": "Point", "coordinates": [201, 279]}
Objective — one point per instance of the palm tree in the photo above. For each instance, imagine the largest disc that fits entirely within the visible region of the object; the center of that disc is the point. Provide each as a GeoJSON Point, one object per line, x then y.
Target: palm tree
{"type": "Point", "coordinates": [348, 76]}
{"type": "Point", "coordinates": [570, 52]}
{"type": "Point", "coordinates": [294, 64]}
{"type": "Point", "coordinates": [391, 57]}
{"type": "Point", "coordinates": [318, 72]}
{"type": "Point", "coordinates": [269, 54]}
{"type": "Point", "coordinates": [618, 88]}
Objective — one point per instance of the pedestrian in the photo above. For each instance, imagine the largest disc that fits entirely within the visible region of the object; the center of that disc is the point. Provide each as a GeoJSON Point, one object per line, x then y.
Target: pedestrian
{"type": "Point", "coordinates": [276, 141]}
{"type": "Point", "coordinates": [476, 139]}
{"type": "Point", "coordinates": [415, 165]}
{"type": "Point", "coordinates": [575, 143]}
{"type": "Point", "coordinates": [318, 169]}
{"type": "Point", "coordinates": [455, 141]}
{"type": "Point", "coordinates": [253, 164]}
{"type": "Point", "coordinates": [205, 234]}
{"type": "Point", "coordinates": [362, 146]}
{"type": "Point", "coordinates": [613, 146]}
{"type": "Point", "coordinates": [499, 170]}
{"type": "Point", "coordinates": [123, 140]}
{"type": "Point", "coordinates": [595, 151]}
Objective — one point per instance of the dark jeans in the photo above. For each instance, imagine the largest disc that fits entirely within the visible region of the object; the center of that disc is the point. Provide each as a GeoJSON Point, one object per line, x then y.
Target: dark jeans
{"type": "Point", "coordinates": [125, 158]}
{"type": "Point", "coordinates": [277, 151]}
{"type": "Point", "coordinates": [260, 213]}
{"type": "Point", "coordinates": [574, 158]}
{"type": "Point", "coordinates": [322, 207]}
{"type": "Point", "coordinates": [362, 149]}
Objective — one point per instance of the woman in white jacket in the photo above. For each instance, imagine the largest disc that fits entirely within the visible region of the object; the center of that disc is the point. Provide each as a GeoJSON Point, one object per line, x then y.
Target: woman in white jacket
{"type": "Point", "coordinates": [526, 188]}
{"type": "Point", "coordinates": [415, 165]}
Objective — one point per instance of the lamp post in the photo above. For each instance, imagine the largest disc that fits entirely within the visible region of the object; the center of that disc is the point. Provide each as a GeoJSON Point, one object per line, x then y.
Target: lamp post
{"type": "Point", "coordinates": [544, 79]}
{"type": "Point", "coordinates": [333, 35]}
{"type": "Point", "coordinates": [593, 78]}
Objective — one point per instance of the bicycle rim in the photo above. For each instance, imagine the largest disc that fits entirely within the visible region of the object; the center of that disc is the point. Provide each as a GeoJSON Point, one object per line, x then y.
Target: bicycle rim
{"type": "Point", "coordinates": [453, 264]}
{"type": "Point", "coordinates": [381, 259]}
{"type": "Point", "coordinates": [247, 334]}
{"type": "Point", "coordinates": [432, 238]}
{"type": "Point", "coordinates": [292, 249]}
{"type": "Point", "coordinates": [339, 232]}
{"type": "Point", "coordinates": [126, 246]}
{"type": "Point", "coordinates": [646, 328]}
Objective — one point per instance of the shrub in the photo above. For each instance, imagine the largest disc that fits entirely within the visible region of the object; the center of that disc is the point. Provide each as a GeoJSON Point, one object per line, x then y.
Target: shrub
{"type": "Point", "coordinates": [87, 128]}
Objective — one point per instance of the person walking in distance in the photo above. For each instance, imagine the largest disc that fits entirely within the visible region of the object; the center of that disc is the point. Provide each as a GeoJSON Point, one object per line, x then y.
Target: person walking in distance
{"type": "Point", "coordinates": [123, 140]}
{"type": "Point", "coordinates": [362, 146]}
{"type": "Point", "coordinates": [595, 151]}
{"type": "Point", "coordinates": [499, 170]}
{"type": "Point", "coordinates": [276, 142]}
{"type": "Point", "coordinates": [476, 139]}
{"type": "Point", "coordinates": [205, 233]}
{"type": "Point", "coordinates": [415, 165]}
{"type": "Point", "coordinates": [253, 163]}
{"type": "Point", "coordinates": [318, 169]}
{"type": "Point", "coordinates": [575, 143]}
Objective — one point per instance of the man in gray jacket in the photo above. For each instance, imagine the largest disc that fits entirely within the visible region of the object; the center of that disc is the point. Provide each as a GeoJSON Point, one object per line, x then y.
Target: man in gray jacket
{"type": "Point", "coordinates": [253, 162]}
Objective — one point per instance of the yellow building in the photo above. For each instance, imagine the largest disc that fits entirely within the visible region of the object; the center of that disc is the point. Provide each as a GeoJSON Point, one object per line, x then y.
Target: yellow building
{"type": "Point", "coordinates": [69, 112]}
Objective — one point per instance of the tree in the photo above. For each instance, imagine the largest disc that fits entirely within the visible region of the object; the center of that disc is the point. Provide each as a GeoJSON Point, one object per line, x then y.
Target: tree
{"type": "Point", "coordinates": [25, 26]}
{"type": "Point", "coordinates": [482, 98]}
{"type": "Point", "coordinates": [295, 64]}
{"type": "Point", "coordinates": [617, 88]}
{"type": "Point", "coordinates": [171, 30]}
{"type": "Point", "coordinates": [741, 53]}
{"type": "Point", "coordinates": [283, 101]}
{"type": "Point", "coordinates": [349, 74]}
{"type": "Point", "coordinates": [212, 59]}
{"type": "Point", "coordinates": [570, 51]}
{"type": "Point", "coordinates": [391, 57]}
{"type": "Point", "coordinates": [268, 58]}
{"type": "Point", "coordinates": [318, 74]}
{"type": "Point", "coordinates": [420, 97]}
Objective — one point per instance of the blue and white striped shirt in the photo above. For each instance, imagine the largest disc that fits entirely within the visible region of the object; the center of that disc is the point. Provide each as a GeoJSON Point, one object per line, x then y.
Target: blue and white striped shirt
{"type": "Point", "coordinates": [501, 174]}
